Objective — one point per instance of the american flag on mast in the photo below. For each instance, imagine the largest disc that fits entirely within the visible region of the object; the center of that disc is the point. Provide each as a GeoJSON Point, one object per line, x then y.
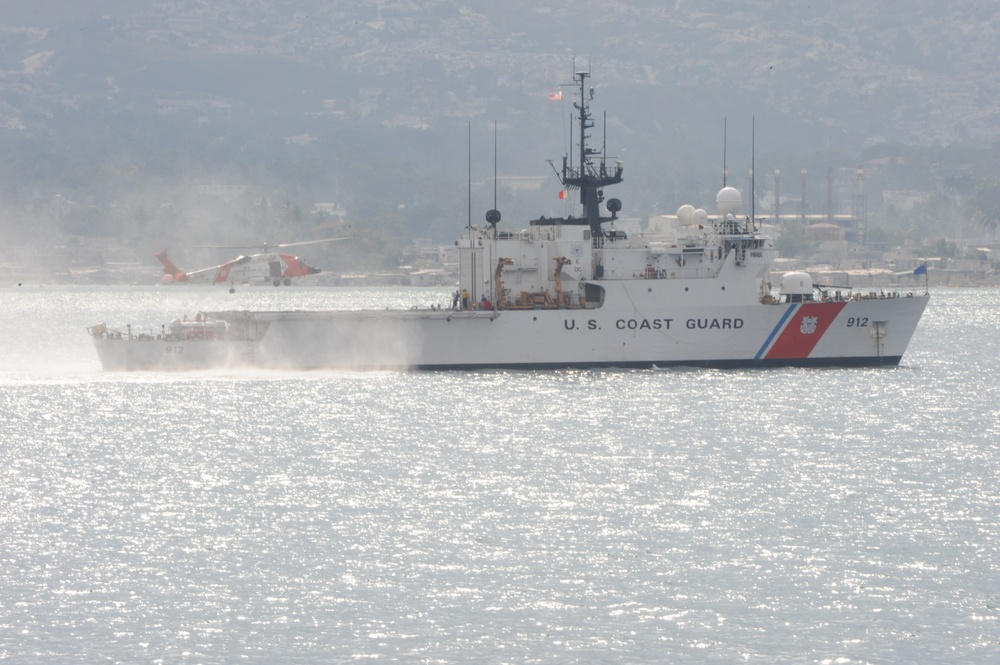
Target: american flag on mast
{"type": "Point", "coordinates": [555, 96]}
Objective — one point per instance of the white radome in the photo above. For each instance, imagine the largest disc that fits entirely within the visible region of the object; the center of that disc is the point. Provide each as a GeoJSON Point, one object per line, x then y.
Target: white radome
{"type": "Point", "coordinates": [684, 214]}
{"type": "Point", "coordinates": [795, 284]}
{"type": "Point", "coordinates": [728, 201]}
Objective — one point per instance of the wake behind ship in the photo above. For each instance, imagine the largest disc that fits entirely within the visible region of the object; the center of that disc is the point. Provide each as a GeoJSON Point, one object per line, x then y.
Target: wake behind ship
{"type": "Point", "coordinates": [567, 292]}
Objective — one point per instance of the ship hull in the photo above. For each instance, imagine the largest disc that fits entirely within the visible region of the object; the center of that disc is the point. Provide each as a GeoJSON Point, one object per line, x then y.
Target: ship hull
{"type": "Point", "coordinates": [848, 333]}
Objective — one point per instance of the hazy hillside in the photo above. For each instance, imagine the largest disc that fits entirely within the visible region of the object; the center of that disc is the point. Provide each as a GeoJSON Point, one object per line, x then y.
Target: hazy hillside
{"type": "Point", "coordinates": [131, 117]}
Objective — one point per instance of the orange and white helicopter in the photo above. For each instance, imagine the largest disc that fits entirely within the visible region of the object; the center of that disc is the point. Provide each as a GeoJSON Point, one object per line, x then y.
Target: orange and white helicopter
{"type": "Point", "coordinates": [268, 266]}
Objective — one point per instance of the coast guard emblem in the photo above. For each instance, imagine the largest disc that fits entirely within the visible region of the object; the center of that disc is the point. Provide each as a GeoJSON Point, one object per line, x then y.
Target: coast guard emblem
{"type": "Point", "coordinates": [808, 326]}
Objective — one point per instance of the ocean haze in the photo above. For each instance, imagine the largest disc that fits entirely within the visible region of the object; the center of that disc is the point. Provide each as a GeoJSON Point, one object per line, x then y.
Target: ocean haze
{"type": "Point", "coordinates": [135, 114]}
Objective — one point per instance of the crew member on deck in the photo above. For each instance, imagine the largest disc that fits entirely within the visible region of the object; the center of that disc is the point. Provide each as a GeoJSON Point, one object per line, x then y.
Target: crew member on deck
{"type": "Point", "coordinates": [465, 299]}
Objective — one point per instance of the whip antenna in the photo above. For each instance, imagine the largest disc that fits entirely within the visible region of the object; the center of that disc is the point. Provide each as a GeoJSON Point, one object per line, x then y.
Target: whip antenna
{"type": "Point", "coordinates": [753, 155]}
{"type": "Point", "coordinates": [725, 171]}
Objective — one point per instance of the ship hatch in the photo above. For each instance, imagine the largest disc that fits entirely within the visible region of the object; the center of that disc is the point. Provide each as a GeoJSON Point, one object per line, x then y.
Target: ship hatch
{"type": "Point", "coordinates": [594, 294]}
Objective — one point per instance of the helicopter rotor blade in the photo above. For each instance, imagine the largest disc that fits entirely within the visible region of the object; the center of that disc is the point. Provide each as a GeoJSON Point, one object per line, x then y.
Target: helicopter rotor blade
{"type": "Point", "coordinates": [309, 242]}
{"type": "Point", "coordinates": [265, 246]}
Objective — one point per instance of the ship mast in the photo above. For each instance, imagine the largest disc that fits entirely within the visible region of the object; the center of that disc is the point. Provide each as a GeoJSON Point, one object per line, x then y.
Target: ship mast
{"type": "Point", "coordinates": [591, 175]}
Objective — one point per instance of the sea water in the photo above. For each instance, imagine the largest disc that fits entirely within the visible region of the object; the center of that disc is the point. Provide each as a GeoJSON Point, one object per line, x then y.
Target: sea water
{"type": "Point", "coordinates": [684, 516]}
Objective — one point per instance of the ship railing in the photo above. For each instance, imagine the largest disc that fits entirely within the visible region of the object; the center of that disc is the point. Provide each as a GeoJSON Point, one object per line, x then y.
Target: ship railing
{"type": "Point", "coordinates": [101, 331]}
{"type": "Point", "coordinates": [677, 273]}
{"type": "Point", "coordinates": [534, 233]}
{"type": "Point", "coordinates": [619, 242]}
{"type": "Point", "coordinates": [841, 295]}
{"type": "Point", "coordinates": [881, 294]}
{"type": "Point", "coordinates": [643, 240]}
{"type": "Point", "coordinates": [477, 235]}
{"type": "Point", "coordinates": [658, 273]}
{"type": "Point", "coordinates": [213, 330]}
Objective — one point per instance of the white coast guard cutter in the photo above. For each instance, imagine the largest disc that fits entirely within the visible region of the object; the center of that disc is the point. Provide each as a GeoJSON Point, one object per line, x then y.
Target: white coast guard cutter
{"type": "Point", "coordinates": [565, 292]}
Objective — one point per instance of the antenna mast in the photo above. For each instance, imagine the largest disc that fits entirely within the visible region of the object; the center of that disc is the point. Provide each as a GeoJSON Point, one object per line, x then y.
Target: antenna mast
{"type": "Point", "coordinates": [470, 183]}
{"type": "Point", "coordinates": [493, 216]}
{"type": "Point", "coordinates": [494, 164]}
{"type": "Point", "coordinates": [588, 177]}
{"type": "Point", "coordinates": [725, 144]}
{"type": "Point", "coordinates": [753, 156]}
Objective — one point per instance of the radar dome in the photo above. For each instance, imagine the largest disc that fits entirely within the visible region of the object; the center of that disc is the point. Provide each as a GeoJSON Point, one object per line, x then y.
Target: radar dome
{"type": "Point", "coordinates": [684, 214]}
{"type": "Point", "coordinates": [728, 201]}
{"type": "Point", "coordinates": [795, 284]}
{"type": "Point", "coordinates": [699, 217]}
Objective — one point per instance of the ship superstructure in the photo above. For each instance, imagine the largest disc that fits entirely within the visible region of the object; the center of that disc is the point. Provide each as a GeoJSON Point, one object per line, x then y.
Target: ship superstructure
{"type": "Point", "coordinates": [569, 291]}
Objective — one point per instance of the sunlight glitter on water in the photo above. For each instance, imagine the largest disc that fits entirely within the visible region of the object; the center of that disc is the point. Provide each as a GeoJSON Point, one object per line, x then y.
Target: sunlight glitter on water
{"type": "Point", "coordinates": [807, 515]}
